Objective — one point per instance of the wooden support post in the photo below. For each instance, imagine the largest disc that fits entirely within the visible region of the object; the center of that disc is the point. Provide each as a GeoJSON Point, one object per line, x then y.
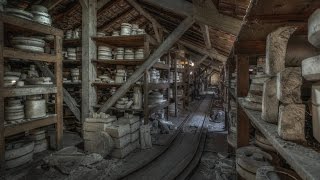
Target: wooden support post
{"type": "Point", "coordinates": [59, 94]}
{"type": "Point", "coordinates": [89, 26]}
{"type": "Point", "coordinates": [243, 122]}
{"type": "Point", "coordinates": [162, 49]}
{"type": "Point", "coordinates": [145, 98]}
{"type": "Point", "coordinates": [2, 140]}
{"type": "Point", "coordinates": [67, 98]}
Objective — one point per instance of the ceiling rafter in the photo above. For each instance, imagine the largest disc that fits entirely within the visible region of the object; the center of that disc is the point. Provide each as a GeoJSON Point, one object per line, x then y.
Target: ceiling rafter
{"type": "Point", "coordinates": [108, 24]}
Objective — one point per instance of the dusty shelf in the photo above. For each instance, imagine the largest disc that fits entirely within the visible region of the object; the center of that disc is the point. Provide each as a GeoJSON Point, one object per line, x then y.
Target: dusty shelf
{"type": "Point", "coordinates": [305, 161]}
{"type": "Point", "coordinates": [124, 41]}
{"type": "Point", "coordinates": [125, 62]}
{"type": "Point", "coordinates": [28, 90]}
{"type": "Point", "coordinates": [20, 54]}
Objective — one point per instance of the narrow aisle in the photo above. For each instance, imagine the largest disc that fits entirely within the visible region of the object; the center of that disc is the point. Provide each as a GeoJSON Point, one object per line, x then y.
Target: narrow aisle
{"type": "Point", "coordinates": [174, 160]}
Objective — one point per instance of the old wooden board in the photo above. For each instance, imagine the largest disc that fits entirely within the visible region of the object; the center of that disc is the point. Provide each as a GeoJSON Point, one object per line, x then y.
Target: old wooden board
{"type": "Point", "coordinates": [161, 66]}
{"type": "Point", "coordinates": [305, 161]}
{"type": "Point", "coordinates": [125, 62]}
{"type": "Point", "coordinates": [19, 54]}
{"type": "Point", "coordinates": [29, 125]}
{"type": "Point", "coordinates": [29, 90]}
{"type": "Point", "coordinates": [123, 41]}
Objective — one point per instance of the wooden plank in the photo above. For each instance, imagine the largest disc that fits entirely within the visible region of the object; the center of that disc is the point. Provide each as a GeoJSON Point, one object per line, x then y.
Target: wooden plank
{"type": "Point", "coordinates": [161, 66]}
{"type": "Point", "coordinates": [67, 98]}
{"type": "Point", "coordinates": [29, 125]}
{"type": "Point", "coordinates": [109, 85]}
{"type": "Point", "coordinates": [213, 54]}
{"type": "Point", "coordinates": [154, 22]}
{"type": "Point", "coordinates": [89, 26]}
{"type": "Point", "coordinates": [250, 47]}
{"type": "Point", "coordinates": [206, 35]}
{"type": "Point", "coordinates": [23, 24]}
{"type": "Point", "coordinates": [161, 50]}
{"type": "Point", "coordinates": [20, 54]}
{"type": "Point", "coordinates": [28, 90]}
{"type": "Point", "coordinates": [125, 62]}
{"type": "Point", "coordinates": [204, 14]}
{"type": "Point", "coordinates": [303, 159]}
{"type": "Point", "coordinates": [51, 4]}
{"type": "Point", "coordinates": [121, 41]}
{"type": "Point", "coordinates": [2, 137]}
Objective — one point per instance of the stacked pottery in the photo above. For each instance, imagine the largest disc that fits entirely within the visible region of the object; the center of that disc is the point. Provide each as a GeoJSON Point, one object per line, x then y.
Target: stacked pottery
{"type": "Point", "coordinates": [155, 98]}
{"type": "Point", "coordinates": [139, 54]}
{"type": "Point", "coordinates": [11, 78]}
{"type": "Point", "coordinates": [76, 33]}
{"type": "Point", "coordinates": [39, 81]}
{"type": "Point", "coordinates": [35, 107]}
{"type": "Point", "coordinates": [104, 53]}
{"type": "Point", "coordinates": [32, 72]}
{"type": "Point", "coordinates": [115, 33]}
{"type": "Point", "coordinates": [19, 13]}
{"type": "Point", "coordinates": [137, 98]}
{"type": "Point", "coordinates": [14, 111]}
{"type": "Point", "coordinates": [249, 159]}
{"type": "Point", "coordinates": [125, 29]}
{"type": "Point", "coordinates": [172, 108]}
{"type": "Point", "coordinates": [18, 153]}
{"type": "Point", "coordinates": [69, 34]}
{"type": "Point", "coordinates": [275, 173]}
{"type": "Point", "coordinates": [263, 142]}
{"type": "Point", "coordinates": [40, 141]}
{"type": "Point", "coordinates": [140, 31]}
{"type": "Point", "coordinates": [101, 34]}
{"type": "Point", "coordinates": [75, 74]}
{"type": "Point", "coordinates": [120, 76]}
{"type": "Point", "coordinates": [40, 15]}
{"type": "Point", "coordinates": [79, 53]}
{"type": "Point", "coordinates": [120, 53]}
{"type": "Point", "coordinates": [2, 3]}
{"type": "Point", "coordinates": [253, 100]}
{"type": "Point", "coordinates": [135, 27]}
{"type": "Point", "coordinates": [128, 53]}
{"type": "Point", "coordinates": [105, 78]}
{"type": "Point", "coordinates": [154, 76]}
{"type": "Point", "coordinates": [32, 44]}
{"type": "Point", "coordinates": [71, 53]}
{"type": "Point", "coordinates": [122, 103]}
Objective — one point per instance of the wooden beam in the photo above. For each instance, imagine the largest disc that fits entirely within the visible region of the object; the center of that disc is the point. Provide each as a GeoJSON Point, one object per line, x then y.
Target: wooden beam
{"type": "Point", "coordinates": [51, 4]}
{"type": "Point", "coordinates": [250, 47]}
{"type": "Point", "coordinates": [213, 54]}
{"type": "Point", "coordinates": [206, 35]}
{"type": "Point", "coordinates": [197, 63]}
{"type": "Point", "coordinates": [67, 98]}
{"type": "Point", "coordinates": [102, 3]}
{"type": "Point", "coordinates": [205, 13]}
{"type": "Point", "coordinates": [160, 51]}
{"type": "Point", "coordinates": [108, 24]}
{"type": "Point", "coordinates": [154, 22]}
{"type": "Point", "coordinates": [89, 26]}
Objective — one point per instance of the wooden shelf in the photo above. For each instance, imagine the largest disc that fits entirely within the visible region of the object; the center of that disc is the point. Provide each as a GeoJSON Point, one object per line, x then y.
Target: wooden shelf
{"type": "Point", "coordinates": [126, 109]}
{"type": "Point", "coordinates": [23, 24]}
{"type": "Point", "coordinates": [152, 86]}
{"type": "Point", "coordinates": [13, 129]}
{"type": "Point", "coordinates": [108, 85]}
{"type": "Point", "coordinates": [161, 66]}
{"type": "Point", "coordinates": [20, 54]}
{"type": "Point", "coordinates": [76, 62]}
{"type": "Point", "coordinates": [28, 90]}
{"type": "Point", "coordinates": [71, 42]}
{"type": "Point", "coordinates": [72, 83]}
{"type": "Point", "coordinates": [124, 62]}
{"type": "Point", "coordinates": [124, 41]}
{"type": "Point", "coordinates": [305, 161]}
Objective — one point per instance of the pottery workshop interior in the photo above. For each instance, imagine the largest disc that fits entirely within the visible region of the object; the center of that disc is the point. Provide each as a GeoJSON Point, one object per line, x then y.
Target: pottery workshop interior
{"type": "Point", "coordinates": [159, 89]}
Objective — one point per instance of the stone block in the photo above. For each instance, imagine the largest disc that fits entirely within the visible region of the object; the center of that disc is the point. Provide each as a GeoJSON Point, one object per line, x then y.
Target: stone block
{"type": "Point", "coordinates": [93, 127]}
{"type": "Point", "coordinates": [292, 122]}
{"type": "Point", "coordinates": [102, 144]}
{"type": "Point", "coordinates": [134, 127]}
{"type": "Point", "coordinates": [311, 68]}
{"type": "Point", "coordinates": [276, 49]}
{"type": "Point", "coordinates": [135, 136]}
{"type": "Point", "coordinates": [316, 94]}
{"type": "Point", "coordinates": [122, 141]}
{"type": "Point", "coordinates": [289, 83]}
{"type": "Point", "coordinates": [316, 122]}
{"type": "Point", "coordinates": [270, 102]}
{"type": "Point", "coordinates": [314, 28]}
{"type": "Point", "coordinates": [118, 130]}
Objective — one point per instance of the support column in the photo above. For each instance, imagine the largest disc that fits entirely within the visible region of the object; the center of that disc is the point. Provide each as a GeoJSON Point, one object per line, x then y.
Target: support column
{"type": "Point", "coordinates": [243, 122]}
{"type": "Point", "coordinates": [89, 52]}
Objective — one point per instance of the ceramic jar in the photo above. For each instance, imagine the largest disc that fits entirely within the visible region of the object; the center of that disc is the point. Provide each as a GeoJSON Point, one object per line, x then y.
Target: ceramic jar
{"type": "Point", "coordinates": [120, 53]}
{"type": "Point", "coordinates": [32, 44]}
{"type": "Point", "coordinates": [128, 53]}
{"type": "Point", "coordinates": [35, 107]}
{"type": "Point", "coordinates": [14, 110]}
{"type": "Point", "coordinates": [104, 53]}
{"type": "Point", "coordinates": [125, 29]}
{"type": "Point", "coordinates": [139, 54]}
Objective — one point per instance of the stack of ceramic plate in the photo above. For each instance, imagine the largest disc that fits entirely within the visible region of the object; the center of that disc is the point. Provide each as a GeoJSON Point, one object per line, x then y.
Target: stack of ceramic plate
{"type": "Point", "coordinates": [40, 15]}
{"type": "Point", "coordinates": [115, 33]}
{"type": "Point", "coordinates": [68, 34]}
{"type": "Point", "coordinates": [39, 81]}
{"type": "Point", "coordinates": [19, 13]}
{"type": "Point", "coordinates": [75, 73]}
{"type": "Point", "coordinates": [18, 153]}
{"type": "Point", "coordinates": [140, 31]}
{"type": "Point", "coordinates": [32, 44]}
{"type": "Point", "coordinates": [40, 141]}
{"type": "Point", "coordinates": [121, 104]}
{"type": "Point", "coordinates": [79, 53]}
{"type": "Point", "coordinates": [71, 53]}
{"type": "Point", "coordinates": [126, 29]}
{"type": "Point", "coordinates": [128, 53]}
{"type": "Point", "coordinates": [139, 54]}
{"type": "Point", "coordinates": [11, 78]}
{"type": "Point", "coordinates": [155, 98]}
{"type": "Point", "coordinates": [104, 53]}
{"type": "Point", "coordinates": [101, 34]}
{"type": "Point", "coordinates": [120, 76]}
{"type": "Point", "coordinates": [14, 111]}
{"type": "Point", "coordinates": [134, 29]}
{"type": "Point", "coordinates": [35, 107]}
{"type": "Point", "coordinates": [119, 53]}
